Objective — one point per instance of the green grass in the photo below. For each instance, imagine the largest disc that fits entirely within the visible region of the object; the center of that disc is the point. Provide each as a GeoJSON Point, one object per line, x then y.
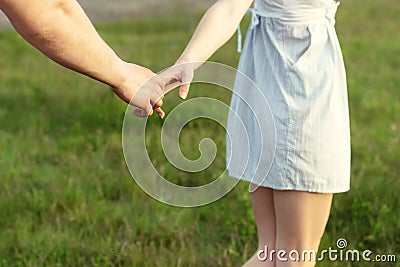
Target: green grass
{"type": "Point", "coordinates": [67, 198]}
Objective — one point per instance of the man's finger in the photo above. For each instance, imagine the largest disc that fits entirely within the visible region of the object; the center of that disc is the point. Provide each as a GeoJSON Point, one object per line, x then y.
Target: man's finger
{"type": "Point", "coordinates": [158, 104]}
{"type": "Point", "coordinates": [139, 112]}
{"type": "Point", "coordinates": [142, 114]}
{"type": "Point", "coordinates": [157, 108]}
{"type": "Point", "coordinates": [147, 111]}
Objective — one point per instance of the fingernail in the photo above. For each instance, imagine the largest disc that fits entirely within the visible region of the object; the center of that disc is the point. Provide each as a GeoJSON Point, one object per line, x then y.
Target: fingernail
{"type": "Point", "coordinates": [159, 113]}
{"type": "Point", "coordinates": [183, 95]}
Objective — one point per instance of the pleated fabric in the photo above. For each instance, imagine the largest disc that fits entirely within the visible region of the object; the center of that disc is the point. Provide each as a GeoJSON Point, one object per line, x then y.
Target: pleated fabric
{"type": "Point", "coordinates": [292, 54]}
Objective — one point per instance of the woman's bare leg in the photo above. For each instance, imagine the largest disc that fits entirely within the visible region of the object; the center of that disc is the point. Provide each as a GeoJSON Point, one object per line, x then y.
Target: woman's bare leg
{"type": "Point", "coordinates": [301, 218]}
{"type": "Point", "coordinates": [264, 213]}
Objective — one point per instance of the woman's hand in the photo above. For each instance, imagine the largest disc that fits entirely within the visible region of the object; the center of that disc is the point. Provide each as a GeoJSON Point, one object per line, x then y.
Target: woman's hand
{"type": "Point", "coordinates": [179, 75]}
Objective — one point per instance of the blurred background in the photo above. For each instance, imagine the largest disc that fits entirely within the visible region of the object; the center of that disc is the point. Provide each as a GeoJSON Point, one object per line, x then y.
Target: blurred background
{"type": "Point", "coordinates": [117, 10]}
{"type": "Point", "coordinates": [66, 195]}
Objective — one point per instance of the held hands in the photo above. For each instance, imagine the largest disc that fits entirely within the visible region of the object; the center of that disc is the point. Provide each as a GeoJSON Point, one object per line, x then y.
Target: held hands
{"type": "Point", "coordinates": [140, 90]}
{"type": "Point", "coordinates": [145, 90]}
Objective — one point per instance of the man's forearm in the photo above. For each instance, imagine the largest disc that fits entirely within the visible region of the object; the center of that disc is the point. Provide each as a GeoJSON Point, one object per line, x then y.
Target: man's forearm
{"type": "Point", "coordinates": [61, 30]}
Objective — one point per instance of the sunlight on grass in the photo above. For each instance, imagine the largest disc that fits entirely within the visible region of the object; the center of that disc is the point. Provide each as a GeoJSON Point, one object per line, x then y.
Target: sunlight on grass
{"type": "Point", "coordinates": [67, 198]}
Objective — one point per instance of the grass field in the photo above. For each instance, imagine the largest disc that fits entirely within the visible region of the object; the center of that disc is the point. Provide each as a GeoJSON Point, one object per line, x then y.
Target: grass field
{"type": "Point", "coordinates": [67, 198]}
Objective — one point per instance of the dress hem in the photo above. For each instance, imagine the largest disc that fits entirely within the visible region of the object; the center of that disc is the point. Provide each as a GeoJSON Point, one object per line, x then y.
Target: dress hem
{"type": "Point", "coordinates": [290, 188]}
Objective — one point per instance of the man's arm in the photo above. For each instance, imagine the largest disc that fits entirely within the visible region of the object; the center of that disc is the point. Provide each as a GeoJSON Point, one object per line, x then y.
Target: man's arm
{"type": "Point", "coordinates": [61, 30]}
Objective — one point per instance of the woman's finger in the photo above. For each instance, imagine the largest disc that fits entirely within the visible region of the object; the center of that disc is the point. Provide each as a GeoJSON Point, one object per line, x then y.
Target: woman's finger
{"type": "Point", "coordinates": [183, 90]}
{"type": "Point", "coordinates": [160, 112]}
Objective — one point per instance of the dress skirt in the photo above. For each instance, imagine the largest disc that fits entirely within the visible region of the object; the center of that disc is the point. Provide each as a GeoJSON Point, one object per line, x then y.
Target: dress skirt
{"type": "Point", "coordinates": [299, 70]}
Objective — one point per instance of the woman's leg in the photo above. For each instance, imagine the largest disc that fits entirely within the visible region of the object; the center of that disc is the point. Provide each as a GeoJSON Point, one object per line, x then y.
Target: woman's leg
{"type": "Point", "coordinates": [301, 218]}
{"type": "Point", "coordinates": [263, 208]}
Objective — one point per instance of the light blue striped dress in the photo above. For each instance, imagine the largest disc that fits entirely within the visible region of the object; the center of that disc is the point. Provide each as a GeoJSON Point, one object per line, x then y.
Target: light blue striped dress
{"type": "Point", "coordinates": [293, 55]}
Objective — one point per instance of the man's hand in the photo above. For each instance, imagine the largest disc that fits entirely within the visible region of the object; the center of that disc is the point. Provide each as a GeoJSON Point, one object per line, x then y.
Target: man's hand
{"type": "Point", "coordinates": [61, 30]}
{"type": "Point", "coordinates": [178, 75]}
{"type": "Point", "coordinates": [140, 89]}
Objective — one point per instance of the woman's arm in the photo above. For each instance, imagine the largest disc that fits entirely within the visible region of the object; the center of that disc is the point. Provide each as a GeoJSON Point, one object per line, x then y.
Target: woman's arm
{"type": "Point", "coordinates": [215, 28]}
{"type": "Point", "coordinates": [61, 30]}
